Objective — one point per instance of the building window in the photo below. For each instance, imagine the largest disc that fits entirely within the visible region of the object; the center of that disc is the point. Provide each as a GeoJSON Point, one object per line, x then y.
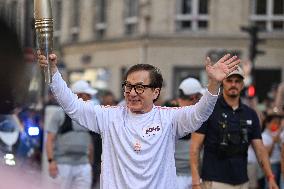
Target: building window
{"type": "Point", "coordinates": [75, 20]}
{"type": "Point", "coordinates": [57, 22]}
{"type": "Point", "coordinates": [131, 16]}
{"type": "Point", "coordinates": [182, 72]}
{"type": "Point", "coordinates": [192, 15]}
{"type": "Point", "coordinates": [99, 78]}
{"type": "Point", "coordinates": [268, 14]}
{"type": "Point", "coordinates": [100, 18]}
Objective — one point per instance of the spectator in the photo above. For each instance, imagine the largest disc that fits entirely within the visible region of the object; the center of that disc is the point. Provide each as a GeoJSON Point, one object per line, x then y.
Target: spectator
{"type": "Point", "coordinates": [190, 91]}
{"type": "Point", "coordinates": [226, 136]}
{"type": "Point", "coordinates": [108, 98]}
{"type": "Point", "coordinates": [271, 141]}
{"type": "Point", "coordinates": [69, 146]}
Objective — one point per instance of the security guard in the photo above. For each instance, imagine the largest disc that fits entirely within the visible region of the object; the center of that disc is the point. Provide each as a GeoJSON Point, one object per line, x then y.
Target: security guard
{"type": "Point", "coordinates": [226, 136]}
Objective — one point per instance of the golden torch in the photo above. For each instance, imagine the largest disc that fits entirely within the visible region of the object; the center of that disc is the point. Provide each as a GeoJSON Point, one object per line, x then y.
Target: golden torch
{"type": "Point", "coordinates": [44, 31]}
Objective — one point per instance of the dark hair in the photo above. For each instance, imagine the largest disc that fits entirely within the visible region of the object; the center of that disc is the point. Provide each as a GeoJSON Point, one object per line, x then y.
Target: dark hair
{"type": "Point", "coordinates": [269, 117]}
{"type": "Point", "coordinates": [156, 78]}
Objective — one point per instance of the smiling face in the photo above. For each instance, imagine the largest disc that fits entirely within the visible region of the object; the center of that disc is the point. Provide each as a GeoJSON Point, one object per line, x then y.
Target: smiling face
{"type": "Point", "coordinates": [232, 86]}
{"type": "Point", "coordinates": [140, 103]}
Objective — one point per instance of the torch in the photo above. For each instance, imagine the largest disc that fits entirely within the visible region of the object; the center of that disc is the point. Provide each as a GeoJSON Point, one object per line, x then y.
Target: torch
{"type": "Point", "coordinates": [44, 32]}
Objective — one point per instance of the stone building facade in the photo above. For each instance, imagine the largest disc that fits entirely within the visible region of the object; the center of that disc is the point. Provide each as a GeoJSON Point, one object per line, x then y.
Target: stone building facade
{"type": "Point", "coordinates": [99, 39]}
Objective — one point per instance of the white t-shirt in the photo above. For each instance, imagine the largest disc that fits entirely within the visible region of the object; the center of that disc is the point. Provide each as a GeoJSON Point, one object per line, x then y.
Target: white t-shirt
{"type": "Point", "coordinates": [138, 149]}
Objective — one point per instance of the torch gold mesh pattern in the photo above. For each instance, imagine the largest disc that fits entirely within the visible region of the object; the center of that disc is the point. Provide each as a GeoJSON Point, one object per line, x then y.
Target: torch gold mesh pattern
{"type": "Point", "coordinates": [44, 30]}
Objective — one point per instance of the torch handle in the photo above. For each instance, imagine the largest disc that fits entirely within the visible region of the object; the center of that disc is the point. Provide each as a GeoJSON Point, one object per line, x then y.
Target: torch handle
{"type": "Point", "coordinates": [47, 71]}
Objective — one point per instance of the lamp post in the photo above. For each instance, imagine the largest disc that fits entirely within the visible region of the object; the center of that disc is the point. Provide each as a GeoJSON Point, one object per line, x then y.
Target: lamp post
{"type": "Point", "coordinates": [253, 32]}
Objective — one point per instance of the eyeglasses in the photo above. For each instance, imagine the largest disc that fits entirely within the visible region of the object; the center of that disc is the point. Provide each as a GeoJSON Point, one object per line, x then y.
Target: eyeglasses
{"type": "Point", "coordinates": [139, 88]}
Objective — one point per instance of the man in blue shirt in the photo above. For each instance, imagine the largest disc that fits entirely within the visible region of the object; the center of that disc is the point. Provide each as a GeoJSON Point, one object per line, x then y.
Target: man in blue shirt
{"type": "Point", "coordinates": [226, 136]}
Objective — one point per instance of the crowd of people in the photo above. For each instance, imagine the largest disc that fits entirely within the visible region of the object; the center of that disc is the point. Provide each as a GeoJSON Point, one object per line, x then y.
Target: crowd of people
{"type": "Point", "coordinates": [138, 140]}
{"type": "Point", "coordinates": [237, 146]}
{"type": "Point", "coordinates": [226, 138]}
{"type": "Point", "coordinates": [227, 151]}
{"type": "Point", "coordinates": [205, 138]}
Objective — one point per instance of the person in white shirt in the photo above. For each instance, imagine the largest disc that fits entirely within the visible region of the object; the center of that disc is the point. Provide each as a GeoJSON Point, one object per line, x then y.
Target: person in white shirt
{"type": "Point", "coordinates": [138, 140]}
{"type": "Point", "coordinates": [190, 92]}
{"type": "Point", "coordinates": [272, 142]}
{"type": "Point", "coordinates": [69, 147]}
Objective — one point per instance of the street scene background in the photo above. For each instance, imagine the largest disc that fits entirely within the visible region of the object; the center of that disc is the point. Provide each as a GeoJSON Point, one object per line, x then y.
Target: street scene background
{"type": "Point", "coordinates": [98, 40]}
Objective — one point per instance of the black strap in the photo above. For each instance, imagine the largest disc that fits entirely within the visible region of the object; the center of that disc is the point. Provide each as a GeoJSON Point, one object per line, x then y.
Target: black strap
{"type": "Point", "coordinates": [66, 126]}
{"type": "Point", "coordinates": [186, 137]}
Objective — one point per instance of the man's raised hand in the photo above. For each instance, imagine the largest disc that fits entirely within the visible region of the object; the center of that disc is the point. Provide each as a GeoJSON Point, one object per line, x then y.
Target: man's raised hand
{"type": "Point", "coordinates": [221, 69]}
